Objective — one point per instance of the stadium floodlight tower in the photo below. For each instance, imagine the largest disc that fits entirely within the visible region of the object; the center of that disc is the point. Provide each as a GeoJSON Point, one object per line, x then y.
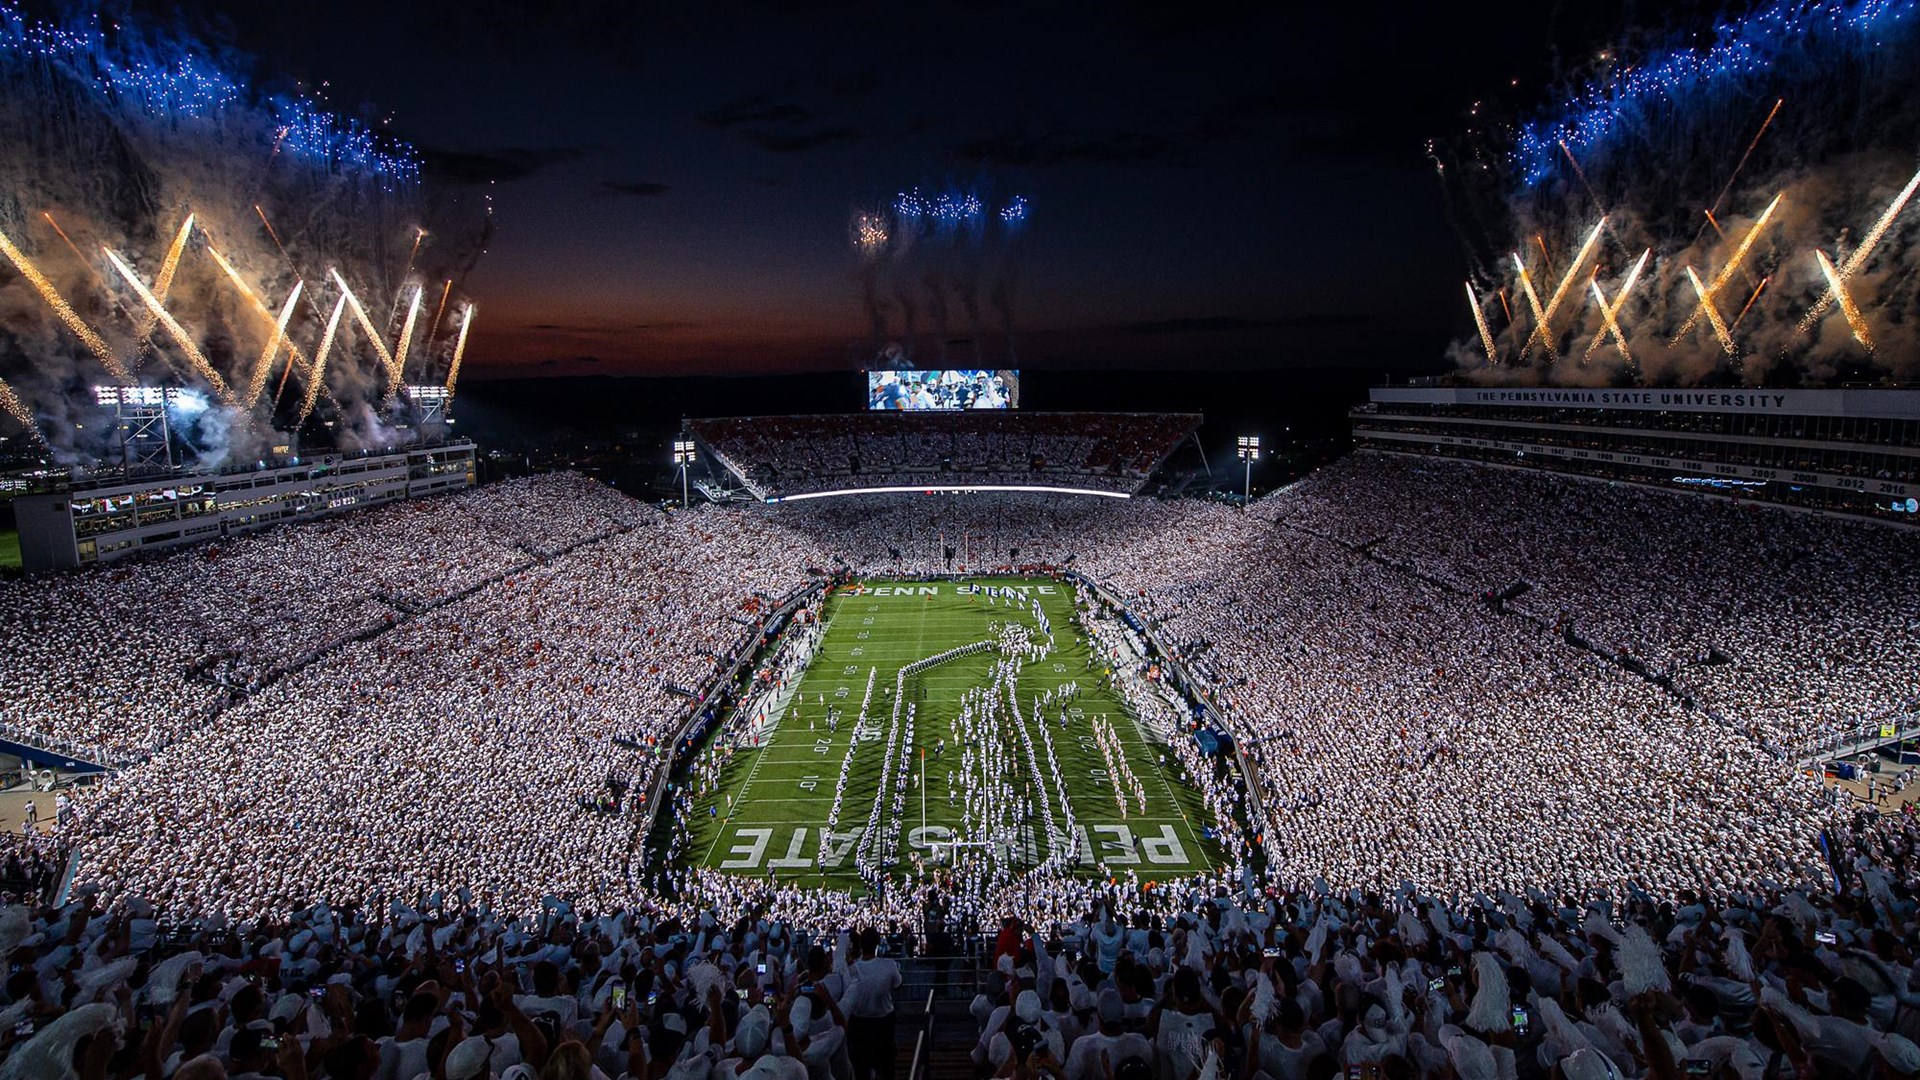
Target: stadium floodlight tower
{"type": "Point", "coordinates": [140, 418]}
{"type": "Point", "coordinates": [1248, 452]}
{"type": "Point", "coordinates": [432, 403]}
{"type": "Point", "coordinates": [683, 456]}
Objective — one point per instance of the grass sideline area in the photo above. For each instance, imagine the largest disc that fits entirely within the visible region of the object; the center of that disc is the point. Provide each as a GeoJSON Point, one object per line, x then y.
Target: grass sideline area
{"type": "Point", "coordinates": [773, 802]}
{"type": "Point", "coordinates": [10, 549]}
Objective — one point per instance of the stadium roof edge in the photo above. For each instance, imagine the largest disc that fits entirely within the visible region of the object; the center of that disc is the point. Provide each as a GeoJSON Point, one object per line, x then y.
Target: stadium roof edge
{"type": "Point", "coordinates": [1197, 417]}
{"type": "Point", "coordinates": [946, 489]}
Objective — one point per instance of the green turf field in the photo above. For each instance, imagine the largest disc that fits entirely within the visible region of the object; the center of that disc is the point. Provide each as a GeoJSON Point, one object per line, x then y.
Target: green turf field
{"type": "Point", "coordinates": [773, 802]}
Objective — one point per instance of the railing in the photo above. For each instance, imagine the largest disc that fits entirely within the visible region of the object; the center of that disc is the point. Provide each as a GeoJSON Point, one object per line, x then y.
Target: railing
{"type": "Point", "coordinates": [1904, 728]}
{"type": "Point", "coordinates": [662, 777]}
{"type": "Point", "coordinates": [923, 1042]}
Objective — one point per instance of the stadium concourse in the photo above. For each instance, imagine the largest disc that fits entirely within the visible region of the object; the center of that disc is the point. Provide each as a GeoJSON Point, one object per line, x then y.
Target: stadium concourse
{"type": "Point", "coordinates": [382, 778]}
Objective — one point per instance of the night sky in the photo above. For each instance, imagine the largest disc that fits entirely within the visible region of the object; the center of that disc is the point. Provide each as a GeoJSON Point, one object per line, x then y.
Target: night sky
{"type": "Point", "coordinates": [673, 186]}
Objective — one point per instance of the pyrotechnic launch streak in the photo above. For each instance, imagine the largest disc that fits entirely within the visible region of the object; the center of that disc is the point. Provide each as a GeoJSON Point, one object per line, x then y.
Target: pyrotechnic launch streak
{"type": "Point", "coordinates": [258, 381]}
{"type": "Point", "coordinates": [274, 236]}
{"type": "Point", "coordinates": [1726, 273]}
{"type": "Point", "coordinates": [253, 299]}
{"type": "Point", "coordinates": [162, 285]}
{"type": "Point", "coordinates": [1566, 280]}
{"type": "Point", "coordinates": [438, 314]}
{"type": "Point", "coordinates": [1713, 315]}
{"type": "Point", "coordinates": [1610, 313]}
{"type": "Point", "coordinates": [366, 325]}
{"type": "Point", "coordinates": [16, 408]}
{"type": "Point", "coordinates": [459, 350]}
{"type": "Point", "coordinates": [1859, 257]}
{"type": "Point", "coordinates": [1717, 199]}
{"type": "Point", "coordinates": [316, 375]}
{"type": "Point", "coordinates": [418, 235]}
{"type": "Point", "coordinates": [406, 334]}
{"type": "Point", "coordinates": [1533, 301]}
{"type": "Point", "coordinates": [1480, 320]}
{"type": "Point", "coordinates": [68, 240]}
{"type": "Point", "coordinates": [180, 335]}
{"type": "Point", "coordinates": [1757, 290]}
{"type": "Point", "coordinates": [1854, 319]}
{"type": "Point", "coordinates": [64, 310]}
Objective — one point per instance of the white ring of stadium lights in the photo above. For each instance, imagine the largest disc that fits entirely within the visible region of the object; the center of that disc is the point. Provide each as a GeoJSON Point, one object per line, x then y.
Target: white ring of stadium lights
{"type": "Point", "coordinates": [946, 489]}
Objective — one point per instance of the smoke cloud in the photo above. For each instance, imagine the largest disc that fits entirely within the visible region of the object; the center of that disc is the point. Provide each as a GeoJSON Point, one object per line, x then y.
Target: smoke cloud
{"type": "Point", "coordinates": [113, 140]}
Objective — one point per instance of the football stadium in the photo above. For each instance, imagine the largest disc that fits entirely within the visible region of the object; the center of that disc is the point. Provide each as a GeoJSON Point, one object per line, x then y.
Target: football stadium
{"type": "Point", "coordinates": [1025, 574]}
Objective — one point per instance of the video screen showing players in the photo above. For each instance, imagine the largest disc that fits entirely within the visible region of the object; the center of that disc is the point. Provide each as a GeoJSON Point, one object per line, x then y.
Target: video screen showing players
{"type": "Point", "coordinates": [949, 390]}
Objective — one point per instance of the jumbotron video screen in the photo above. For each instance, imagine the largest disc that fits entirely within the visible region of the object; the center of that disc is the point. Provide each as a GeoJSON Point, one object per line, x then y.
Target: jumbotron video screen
{"type": "Point", "coordinates": [949, 390]}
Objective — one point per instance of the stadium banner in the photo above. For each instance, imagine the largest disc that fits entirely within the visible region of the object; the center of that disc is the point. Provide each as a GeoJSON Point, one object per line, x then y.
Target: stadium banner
{"type": "Point", "coordinates": [949, 390]}
{"type": "Point", "coordinates": [1882, 404]}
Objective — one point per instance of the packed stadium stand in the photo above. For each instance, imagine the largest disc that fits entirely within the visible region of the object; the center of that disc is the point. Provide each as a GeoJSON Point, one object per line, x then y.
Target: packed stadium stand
{"type": "Point", "coordinates": [1853, 451]}
{"type": "Point", "coordinates": [783, 457]}
{"type": "Point", "coordinates": [1492, 830]}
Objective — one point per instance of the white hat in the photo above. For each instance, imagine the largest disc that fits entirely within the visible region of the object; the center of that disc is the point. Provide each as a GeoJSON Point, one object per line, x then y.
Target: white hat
{"type": "Point", "coordinates": [1027, 1006]}
{"type": "Point", "coordinates": [1471, 1058]}
{"type": "Point", "coordinates": [750, 1038]}
{"type": "Point", "coordinates": [1900, 1054]}
{"type": "Point", "coordinates": [468, 1060]}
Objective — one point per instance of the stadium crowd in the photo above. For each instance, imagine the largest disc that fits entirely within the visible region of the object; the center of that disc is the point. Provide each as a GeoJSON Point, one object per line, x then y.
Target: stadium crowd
{"type": "Point", "coordinates": [469, 731]}
{"type": "Point", "coordinates": [795, 455]}
{"type": "Point", "coordinates": [1207, 978]}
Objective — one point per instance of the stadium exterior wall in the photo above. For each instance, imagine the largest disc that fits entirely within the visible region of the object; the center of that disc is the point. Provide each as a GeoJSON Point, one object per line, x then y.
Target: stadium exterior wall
{"type": "Point", "coordinates": [1846, 451]}
{"type": "Point", "coordinates": [112, 520]}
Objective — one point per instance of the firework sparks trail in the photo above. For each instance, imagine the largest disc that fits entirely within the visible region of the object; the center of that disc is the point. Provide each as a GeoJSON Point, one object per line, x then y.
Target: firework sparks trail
{"type": "Point", "coordinates": [1533, 302]}
{"type": "Point", "coordinates": [1718, 199]}
{"type": "Point", "coordinates": [162, 287]}
{"type": "Point", "coordinates": [1480, 320]}
{"type": "Point", "coordinates": [258, 381]}
{"type": "Point", "coordinates": [316, 376]}
{"type": "Point", "coordinates": [1855, 320]}
{"type": "Point", "coordinates": [271, 235]}
{"type": "Point", "coordinates": [1546, 260]}
{"type": "Point", "coordinates": [68, 240]}
{"type": "Point", "coordinates": [1726, 273]}
{"type": "Point", "coordinates": [1543, 316]}
{"type": "Point", "coordinates": [180, 335]}
{"type": "Point", "coordinates": [92, 270]}
{"type": "Point", "coordinates": [1859, 257]}
{"type": "Point", "coordinates": [434, 329]}
{"type": "Point", "coordinates": [1757, 290]}
{"type": "Point", "coordinates": [406, 336]}
{"type": "Point", "coordinates": [373, 335]}
{"type": "Point", "coordinates": [1610, 313]}
{"type": "Point", "coordinates": [254, 301]}
{"type": "Point", "coordinates": [1573, 268]}
{"type": "Point", "coordinates": [63, 310]}
{"type": "Point", "coordinates": [1504, 309]}
{"type": "Point", "coordinates": [459, 350]}
{"type": "Point", "coordinates": [17, 408]}
{"type": "Point", "coordinates": [419, 234]}
{"type": "Point", "coordinates": [1581, 173]}
{"type": "Point", "coordinates": [1713, 314]}
{"type": "Point", "coordinates": [1715, 222]}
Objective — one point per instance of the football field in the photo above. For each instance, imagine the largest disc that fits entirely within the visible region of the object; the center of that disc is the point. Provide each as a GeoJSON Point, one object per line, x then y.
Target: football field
{"type": "Point", "coordinates": [1094, 766]}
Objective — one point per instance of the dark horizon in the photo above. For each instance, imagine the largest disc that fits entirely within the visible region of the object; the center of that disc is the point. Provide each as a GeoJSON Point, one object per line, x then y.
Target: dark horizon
{"type": "Point", "coordinates": [1214, 188]}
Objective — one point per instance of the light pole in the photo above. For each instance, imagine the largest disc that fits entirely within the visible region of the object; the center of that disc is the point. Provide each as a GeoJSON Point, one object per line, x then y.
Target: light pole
{"type": "Point", "coordinates": [1248, 451]}
{"type": "Point", "coordinates": [683, 455]}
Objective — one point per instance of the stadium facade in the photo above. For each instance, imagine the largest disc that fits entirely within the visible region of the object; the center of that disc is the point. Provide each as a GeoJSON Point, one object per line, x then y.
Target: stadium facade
{"type": "Point", "coordinates": [1853, 451]}
{"type": "Point", "coordinates": [113, 519]}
